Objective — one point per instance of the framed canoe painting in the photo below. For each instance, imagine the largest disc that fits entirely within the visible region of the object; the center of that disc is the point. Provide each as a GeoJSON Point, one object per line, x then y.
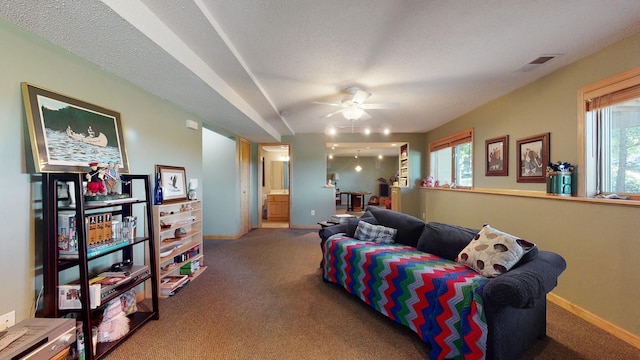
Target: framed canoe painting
{"type": "Point", "coordinates": [67, 134]}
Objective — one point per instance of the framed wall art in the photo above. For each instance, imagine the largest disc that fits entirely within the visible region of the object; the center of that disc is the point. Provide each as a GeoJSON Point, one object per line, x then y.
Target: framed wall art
{"type": "Point", "coordinates": [497, 156]}
{"type": "Point", "coordinates": [533, 157]}
{"type": "Point", "coordinates": [174, 182]}
{"type": "Point", "coordinates": [67, 134]}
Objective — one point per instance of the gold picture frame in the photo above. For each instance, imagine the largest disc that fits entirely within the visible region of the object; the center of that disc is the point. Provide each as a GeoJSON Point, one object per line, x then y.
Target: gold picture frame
{"type": "Point", "coordinates": [67, 134]}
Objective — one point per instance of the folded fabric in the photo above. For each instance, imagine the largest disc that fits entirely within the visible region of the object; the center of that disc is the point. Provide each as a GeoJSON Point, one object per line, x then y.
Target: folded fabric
{"type": "Point", "coordinates": [376, 233]}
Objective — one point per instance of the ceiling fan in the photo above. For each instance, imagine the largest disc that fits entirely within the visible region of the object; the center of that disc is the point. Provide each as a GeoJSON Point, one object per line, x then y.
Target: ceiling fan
{"type": "Point", "coordinates": [352, 104]}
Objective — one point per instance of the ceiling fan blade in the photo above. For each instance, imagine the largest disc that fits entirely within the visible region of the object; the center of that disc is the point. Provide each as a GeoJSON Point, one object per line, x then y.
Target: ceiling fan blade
{"type": "Point", "coordinates": [333, 113]}
{"type": "Point", "coordinates": [326, 103]}
{"type": "Point", "coordinates": [365, 116]}
{"type": "Point", "coordinates": [380, 106]}
{"type": "Point", "coordinates": [360, 96]}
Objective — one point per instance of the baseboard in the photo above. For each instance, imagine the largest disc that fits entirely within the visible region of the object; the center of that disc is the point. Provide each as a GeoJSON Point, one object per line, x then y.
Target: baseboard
{"type": "Point", "coordinates": [620, 333]}
{"type": "Point", "coordinates": [221, 237]}
{"type": "Point", "coordinates": [305, 227]}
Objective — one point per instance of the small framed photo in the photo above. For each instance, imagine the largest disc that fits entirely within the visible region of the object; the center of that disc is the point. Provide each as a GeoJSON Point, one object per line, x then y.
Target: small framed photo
{"type": "Point", "coordinates": [497, 159]}
{"type": "Point", "coordinates": [174, 183]}
{"type": "Point", "coordinates": [533, 157]}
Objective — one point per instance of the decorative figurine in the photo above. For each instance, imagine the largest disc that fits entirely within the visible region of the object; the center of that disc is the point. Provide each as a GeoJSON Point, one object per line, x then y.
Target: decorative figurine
{"type": "Point", "coordinates": [428, 182]}
{"type": "Point", "coordinates": [111, 177]}
{"type": "Point", "coordinates": [95, 179]}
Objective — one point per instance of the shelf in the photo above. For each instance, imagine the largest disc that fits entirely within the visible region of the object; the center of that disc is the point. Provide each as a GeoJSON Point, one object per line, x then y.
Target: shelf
{"type": "Point", "coordinates": [88, 261]}
{"type": "Point", "coordinates": [136, 320]}
{"type": "Point", "coordinates": [178, 251]}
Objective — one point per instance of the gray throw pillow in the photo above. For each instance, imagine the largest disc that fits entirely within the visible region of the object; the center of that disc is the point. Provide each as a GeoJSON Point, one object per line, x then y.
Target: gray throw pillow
{"type": "Point", "coordinates": [352, 224]}
{"type": "Point", "coordinates": [376, 233]}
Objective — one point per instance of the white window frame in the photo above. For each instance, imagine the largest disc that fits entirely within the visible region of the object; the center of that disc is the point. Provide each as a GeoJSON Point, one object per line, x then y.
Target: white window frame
{"type": "Point", "coordinates": [588, 173]}
{"type": "Point", "coordinates": [447, 148]}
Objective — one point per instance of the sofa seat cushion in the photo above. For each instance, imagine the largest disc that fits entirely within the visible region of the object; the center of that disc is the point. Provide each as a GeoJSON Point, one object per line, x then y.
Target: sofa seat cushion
{"type": "Point", "coordinates": [445, 240]}
{"type": "Point", "coordinates": [493, 252]}
{"type": "Point", "coordinates": [409, 227]}
{"type": "Point", "coordinates": [438, 299]}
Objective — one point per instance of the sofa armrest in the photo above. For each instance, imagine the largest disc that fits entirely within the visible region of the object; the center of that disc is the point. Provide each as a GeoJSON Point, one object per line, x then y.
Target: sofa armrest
{"type": "Point", "coordinates": [521, 286]}
{"type": "Point", "coordinates": [329, 231]}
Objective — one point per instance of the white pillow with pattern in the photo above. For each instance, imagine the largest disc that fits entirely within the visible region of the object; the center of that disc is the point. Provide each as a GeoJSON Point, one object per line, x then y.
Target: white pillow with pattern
{"type": "Point", "coordinates": [493, 252]}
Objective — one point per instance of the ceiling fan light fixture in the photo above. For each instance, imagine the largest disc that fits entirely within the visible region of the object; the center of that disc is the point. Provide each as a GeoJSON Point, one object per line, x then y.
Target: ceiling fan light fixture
{"type": "Point", "coordinates": [352, 113]}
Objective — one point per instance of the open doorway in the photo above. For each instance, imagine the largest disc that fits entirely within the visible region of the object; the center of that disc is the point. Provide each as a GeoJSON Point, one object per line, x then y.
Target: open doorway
{"type": "Point", "coordinates": [274, 184]}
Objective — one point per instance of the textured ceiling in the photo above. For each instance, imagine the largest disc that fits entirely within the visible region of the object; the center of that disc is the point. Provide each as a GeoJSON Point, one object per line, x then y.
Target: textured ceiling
{"type": "Point", "coordinates": [255, 67]}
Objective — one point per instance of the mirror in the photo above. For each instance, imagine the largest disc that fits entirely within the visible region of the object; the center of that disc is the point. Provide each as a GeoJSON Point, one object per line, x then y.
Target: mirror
{"type": "Point", "coordinates": [275, 168]}
{"type": "Point", "coordinates": [279, 175]}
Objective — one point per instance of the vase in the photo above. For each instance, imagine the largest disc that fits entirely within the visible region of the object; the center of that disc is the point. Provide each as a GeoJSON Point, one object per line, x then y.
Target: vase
{"type": "Point", "coordinates": [158, 197]}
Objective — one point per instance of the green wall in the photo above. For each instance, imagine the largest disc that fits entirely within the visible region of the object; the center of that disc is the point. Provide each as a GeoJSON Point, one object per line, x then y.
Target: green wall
{"type": "Point", "coordinates": [309, 174]}
{"type": "Point", "coordinates": [220, 190]}
{"type": "Point", "coordinates": [598, 241]}
{"type": "Point", "coordinates": [365, 180]}
{"type": "Point", "coordinates": [151, 126]}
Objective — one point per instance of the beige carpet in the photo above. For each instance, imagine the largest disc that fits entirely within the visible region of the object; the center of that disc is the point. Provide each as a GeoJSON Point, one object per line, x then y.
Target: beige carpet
{"type": "Point", "coordinates": [262, 297]}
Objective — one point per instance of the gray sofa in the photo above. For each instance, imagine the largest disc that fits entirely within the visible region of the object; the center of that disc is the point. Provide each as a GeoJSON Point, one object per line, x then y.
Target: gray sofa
{"type": "Point", "coordinates": [514, 302]}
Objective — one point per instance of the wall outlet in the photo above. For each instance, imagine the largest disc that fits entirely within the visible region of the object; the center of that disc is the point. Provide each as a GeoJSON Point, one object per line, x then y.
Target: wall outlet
{"type": "Point", "coordinates": [7, 320]}
{"type": "Point", "coordinates": [313, 213]}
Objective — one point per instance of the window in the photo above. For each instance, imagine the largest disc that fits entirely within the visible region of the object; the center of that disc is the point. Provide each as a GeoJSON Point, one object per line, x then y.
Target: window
{"type": "Point", "coordinates": [610, 135]}
{"type": "Point", "coordinates": [451, 159]}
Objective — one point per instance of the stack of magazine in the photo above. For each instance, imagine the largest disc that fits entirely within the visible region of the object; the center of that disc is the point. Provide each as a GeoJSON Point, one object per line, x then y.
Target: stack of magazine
{"type": "Point", "coordinates": [171, 284]}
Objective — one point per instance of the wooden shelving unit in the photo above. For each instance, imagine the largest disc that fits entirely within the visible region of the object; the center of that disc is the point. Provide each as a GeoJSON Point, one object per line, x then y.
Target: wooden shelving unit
{"type": "Point", "coordinates": [403, 178]}
{"type": "Point", "coordinates": [65, 269]}
{"type": "Point", "coordinates": [176, 248]}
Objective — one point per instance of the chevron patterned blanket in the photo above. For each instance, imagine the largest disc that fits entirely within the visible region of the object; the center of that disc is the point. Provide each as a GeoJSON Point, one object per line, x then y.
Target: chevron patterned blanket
{"type": "Point", "coordinates": [437, 298]}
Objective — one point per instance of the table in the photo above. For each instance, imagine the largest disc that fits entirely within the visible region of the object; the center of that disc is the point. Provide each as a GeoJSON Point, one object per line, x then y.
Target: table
{"type": "Point", "coordinates": [339, 197]}
{"type": "Point", "coordinates": [327, 223]}
{"type": "Point", "coordinates": [355, 200]}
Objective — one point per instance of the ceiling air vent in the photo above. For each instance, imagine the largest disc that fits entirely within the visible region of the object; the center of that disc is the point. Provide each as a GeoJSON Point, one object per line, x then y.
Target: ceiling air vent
{"type": "Point", "coordinates": [542, 59]}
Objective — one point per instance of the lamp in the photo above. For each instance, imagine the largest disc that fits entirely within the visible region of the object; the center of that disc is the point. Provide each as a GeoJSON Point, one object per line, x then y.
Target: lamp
{"type": "Point", "coordinates": [358, 167]}
{"type": "Point", "coordinates": [352, 113]}
{"type": "Point", "coordinates": [336, 177]}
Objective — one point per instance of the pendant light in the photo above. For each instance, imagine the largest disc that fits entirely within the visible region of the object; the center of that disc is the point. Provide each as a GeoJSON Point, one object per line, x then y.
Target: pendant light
{"type": "Point", "coordinates": [358, 167]}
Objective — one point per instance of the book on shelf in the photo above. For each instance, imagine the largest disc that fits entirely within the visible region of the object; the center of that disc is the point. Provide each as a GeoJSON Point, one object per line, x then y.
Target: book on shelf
{"type": "Point", "coordinates": [92, 229]}
{"type": "Point", "coordinates": [110, 280]}
{"type": "Point", "coordinates": [94, 250]}
{"type": "Point", "coordinates": [171, 284]}
{"type": "Point", "coordinates": [67, 236]}
{"type": "Point", "coordinates": [105, 247]}
{"type": "Point", "coordinates": [69, 296]}
{"type": "Point", "coordinates": [107, 230]}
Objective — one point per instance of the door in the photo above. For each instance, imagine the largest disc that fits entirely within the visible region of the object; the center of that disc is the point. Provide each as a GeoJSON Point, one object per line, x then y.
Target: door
{"type": "Point", "coordinates": [245, 184]}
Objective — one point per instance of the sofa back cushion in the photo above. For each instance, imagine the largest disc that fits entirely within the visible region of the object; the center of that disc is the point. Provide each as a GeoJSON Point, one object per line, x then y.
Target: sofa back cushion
{"type": "Point", "coordinates": [409, 227]}
{"type": "Point", "coordinates": [445, 240]}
